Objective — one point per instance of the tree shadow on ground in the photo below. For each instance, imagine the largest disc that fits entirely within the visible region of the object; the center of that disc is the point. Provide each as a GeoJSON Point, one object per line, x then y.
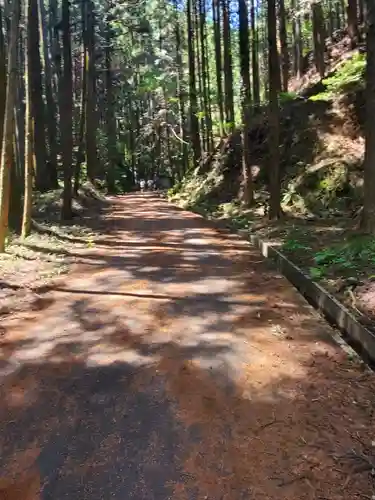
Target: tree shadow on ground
{"type": "Point", "coordinates": [165, 425]}
{"type": "Point", "coordinates": [174, 373]}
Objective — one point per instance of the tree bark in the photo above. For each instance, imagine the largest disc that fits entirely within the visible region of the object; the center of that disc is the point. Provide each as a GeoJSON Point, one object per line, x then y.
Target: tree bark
{"type": "Point", "coordinates": [194, 123]}
{"type": "Point", "coordinates": [180, 94]}
{"type": "Point", "coordinates": [208, 90]}
{"type": "Point", "coordinates": [51, 111]}
{"type": "Point", "coordinates": [297, 41]}
{"type": "Point", "coordinates": [318, 36]}
{"type": "Point", "coordinates": [254, 57]}
{"type": "Point", "coordinates": [110, 114]}
{"type": "Point", "coordinates": [228, 69]}
{"type": "Point", "coordinates": [204, 66]}
{"type": "Point", "coordinates": [274, 139]}
{"type": "Point", "coordinates": [352, 12]}
{"type": "Point", "coordinates": [246, 188]}
{"type": "Point", "coordinates": [361, 11]}
{"type": "Point", "coordinates": [368, 220]}
{"type": "Point", "coordinates": [197, 52]}
{"type": "Point", "coordinates": [90, 139]}
{"type": "Point", "coordinates": [66, 111]}
{"type": "Point", "coordinates": [8, 129]}
{"type": "Point", "coordinates": [82, 111]}
{"type": "Point", "coordinates": [218, 63]}
{"type": "Point", "coordinates": [43, 181]}
{"type": "Point", "coordinates": [3, 78]}
{"type": "Point", "coordinates": [29, 157]}
{"type": "Point", "coordinates": [338, 16]}
{"type": "Point", "coordinates": [284, 46]}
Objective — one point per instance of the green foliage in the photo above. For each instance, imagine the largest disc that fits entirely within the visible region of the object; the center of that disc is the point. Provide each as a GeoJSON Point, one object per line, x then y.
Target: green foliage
{"type": "Point", "coordinates": [200, 115]}
{"type": "Point", "coordinates": [174, 190]}
{"type": "Point", "coordinates": [332, 184]}
{"type": "Point", "coordinates": [228, 127]}
{"type": "Point", "coordinates": [287, 96]}
{"type": "Point", "coordinates": [291, 198]}
{"type": "Point", "coordinates": [123, 179]}
{"type": "Point", "coordinates": [195, 190]}
{"type": "Point", "coordinates": [316, 273]}
{"type": "Point", "coordinates": [349, 76]}
{"type": "Point", "coordinates": [344, 259]}
{"type": "Point", "coordinates": [233, 211]}
{"type": "Point", "coordinates": [293, 245]}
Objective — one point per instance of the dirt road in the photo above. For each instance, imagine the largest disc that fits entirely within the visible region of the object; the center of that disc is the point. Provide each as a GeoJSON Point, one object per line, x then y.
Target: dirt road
{"type": "Point", "coordinates": [174, 363]}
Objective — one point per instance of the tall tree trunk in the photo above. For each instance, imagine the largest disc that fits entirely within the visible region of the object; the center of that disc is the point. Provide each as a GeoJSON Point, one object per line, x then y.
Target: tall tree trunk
{"type": "Point", "coordinates": [90, 139]}
{"type": "Point", "coordinates": [29, 157]}
{"type": "Point", "coordinates": [17, 173]}
{"type": "Point", "coordinates": [218, 63]}
{"type": "Point", "coordinates": [361, 12]}
{"type": "Point", "coordinates": [247, 188]}
{"type": "Point", "coordinates": [20, 116]}
{"type": "Point", "coordinates": [343, 11]}
{"type": "Point", "coordinates": [228, 70]}
{"type": "Point", "coordinates": [284, 46]}
{"type": "Point", "coordinates": [51, 111]}
{"type": "Point", "coordinates": [43, 180]}
{"type": "Point", "coordinates": [297, 41]}
{"type": "Point", "coordinates": [338, 18]}
{"type": "Point", "coordinates": [199, 75]}
{"type": "Point", "coordinates": [274, 139]}
{"type": "Point", "coordinates": [202, 24]}
{"type": "Point", "coordinates": [131, 131]}
{"type": "Point", "coordinates": [353, 31]}
{"type": "Point", "coordinates": [194, 123]}
{"type": "Point", "coordinates": [330, 19]}
{"type": "Point", "coordinates": [368, 220]}
{"type": "Point", "coordinates": [82, 111]}
{"type": "Point", "coordinates": [180, 94]}
{"type": "Point", "coordinates": [208, 90]}
{"type": "Point", "coordinates": [254, 56]}
{"type": "Point", "coordinates": [8, 129]}
{"type": "Point", "coordinates": [66, 111]}
{"type": "Point", "coordinates": [110, 112]}
{"type": "Point", "coordinates": [3, 77]}
{"type": "Point", "coordinates": [55, 56]}
{"type": "Point", "coordinates": [318, 36]}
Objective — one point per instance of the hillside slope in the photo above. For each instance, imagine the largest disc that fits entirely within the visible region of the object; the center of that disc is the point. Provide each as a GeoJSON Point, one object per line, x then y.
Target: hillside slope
{"type": "Point", "coordinates": [322, 148]}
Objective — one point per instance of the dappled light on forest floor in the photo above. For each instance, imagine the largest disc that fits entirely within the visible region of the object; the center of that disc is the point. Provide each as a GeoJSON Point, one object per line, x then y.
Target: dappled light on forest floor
{"type": "Point", "coordinates": [172, 362]}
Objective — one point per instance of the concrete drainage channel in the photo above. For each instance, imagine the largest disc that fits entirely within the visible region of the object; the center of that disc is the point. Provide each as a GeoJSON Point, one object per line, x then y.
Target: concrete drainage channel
{"type": "Point", "coordinates": [355, 338]}
{"type": "Point", "coordinates": [354, 333]}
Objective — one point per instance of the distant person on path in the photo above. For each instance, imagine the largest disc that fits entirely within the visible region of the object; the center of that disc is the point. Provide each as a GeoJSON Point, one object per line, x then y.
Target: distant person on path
{"type": "Point", "coordinates": [142, 184]}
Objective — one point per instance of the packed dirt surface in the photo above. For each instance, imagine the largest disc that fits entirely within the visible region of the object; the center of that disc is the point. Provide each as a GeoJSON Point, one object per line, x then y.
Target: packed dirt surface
{"type": "Point", "coordinates": [172, 362]}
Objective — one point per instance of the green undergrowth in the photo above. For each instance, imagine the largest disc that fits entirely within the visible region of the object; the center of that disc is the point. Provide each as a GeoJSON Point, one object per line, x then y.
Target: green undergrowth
{"type": "Point", "coordinates": [195, 191]}
{"type": "Point", "coordinates": [329, 250]}
{"type": "Point", "coordinates": [348, 77]}
{"type": "Point", "coordinates": [321, 153]}
{"type": "Point", "coordinates": [321, 170]}
{"type": "Point", "coordinates": [338, 254]}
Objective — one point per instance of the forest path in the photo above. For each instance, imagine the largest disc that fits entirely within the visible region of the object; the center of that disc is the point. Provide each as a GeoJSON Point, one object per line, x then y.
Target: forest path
{"type": "Point", "coordinates": [172, 362]}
